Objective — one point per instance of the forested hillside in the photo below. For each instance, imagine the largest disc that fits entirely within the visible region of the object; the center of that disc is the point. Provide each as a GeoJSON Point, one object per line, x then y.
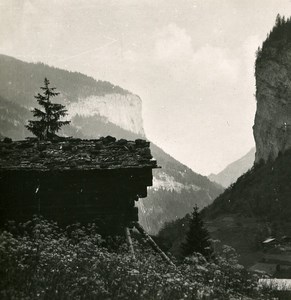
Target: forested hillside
{"type": "Point", "coordinates": [263, 192]}
{"type": "Point", "coordinates": [20, 80]}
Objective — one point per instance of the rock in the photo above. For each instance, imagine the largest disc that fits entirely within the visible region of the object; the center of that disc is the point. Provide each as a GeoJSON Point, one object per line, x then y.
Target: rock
{"type": "Point", "coordinates": [109, 139]}
{"type": "Point", "coordinates": [141, 143]}
{"type": "Point", "coordinates": [272, 128]}
{"type": "Point", "coordinates": [121, 142]}
{"type": "Point", "coordinates": [98, 145]}
{"type": "Point", "coordinates": [128, 106]}
{"type": "Point", "coordinates": [146, 153]}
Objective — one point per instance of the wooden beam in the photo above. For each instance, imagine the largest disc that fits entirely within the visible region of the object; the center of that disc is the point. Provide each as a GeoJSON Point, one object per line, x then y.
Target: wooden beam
{"type": "Point", "coordinates": [129, 241]}
{"type": "Point", "coordinates": [153, 244]}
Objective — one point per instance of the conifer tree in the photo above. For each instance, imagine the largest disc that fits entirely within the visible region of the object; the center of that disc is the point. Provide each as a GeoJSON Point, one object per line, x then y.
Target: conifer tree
{"type": "Point", "coordinates": [197, 237]}
{"type": "Point", "coordinates": [50, 116]}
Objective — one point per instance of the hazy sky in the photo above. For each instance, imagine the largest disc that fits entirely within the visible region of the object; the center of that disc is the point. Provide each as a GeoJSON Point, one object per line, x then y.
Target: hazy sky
{"type": "Point", "coordinates": [191, 62]}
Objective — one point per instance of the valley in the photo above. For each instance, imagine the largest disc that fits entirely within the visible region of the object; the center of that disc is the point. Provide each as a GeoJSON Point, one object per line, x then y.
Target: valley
{"type": "Point", "coordinates": [96, 109]}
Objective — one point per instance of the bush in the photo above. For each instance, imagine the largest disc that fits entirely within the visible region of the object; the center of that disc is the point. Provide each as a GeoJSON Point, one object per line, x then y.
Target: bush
{"type": "Point", "coordinates": [41, 261]}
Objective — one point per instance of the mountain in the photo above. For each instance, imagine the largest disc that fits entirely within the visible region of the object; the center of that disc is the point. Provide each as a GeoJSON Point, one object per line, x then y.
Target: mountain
{"type": "Point", "coordinates": [258, 206]}
{"type": "Point", "coordinates": [13, 117]}
{"type": "Point", "coordinates": [99, 108]}
{"type": "Point", "coordinates": [273, 93]}
{"type": "Point", "coordinates": [264, 191]}
{"type": "Point", "coordinates": [82, 95]}
{"type": "Point", "coordinates": [176, 189]}
{"type": "Point", "coordinates": [234, 170]}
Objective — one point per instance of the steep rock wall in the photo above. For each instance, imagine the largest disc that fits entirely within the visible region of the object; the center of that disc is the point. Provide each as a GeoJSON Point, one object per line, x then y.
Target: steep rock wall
{"type": "Point", "coordinates": [272, 128]}
{"type": "Point", "coordinates": [122, 110]}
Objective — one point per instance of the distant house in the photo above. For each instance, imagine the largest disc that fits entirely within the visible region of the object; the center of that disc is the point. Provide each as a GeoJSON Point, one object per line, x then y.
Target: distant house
{"type": "Point", "coordinates": [269, 241]}
{"type": "Point", "coordinates": [73, 180]}
{"type": "Point", "coordinates": [276, 260]}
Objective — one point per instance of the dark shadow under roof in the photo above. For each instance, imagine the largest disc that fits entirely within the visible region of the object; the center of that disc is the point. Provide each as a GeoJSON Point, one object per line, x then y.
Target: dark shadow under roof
{"type": "Point", "coordinates": [75, 154]}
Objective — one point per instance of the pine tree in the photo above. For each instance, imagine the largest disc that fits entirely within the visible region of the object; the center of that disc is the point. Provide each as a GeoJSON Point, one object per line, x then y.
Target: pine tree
{"type": "Point", "coordinates": [49, 122]}
{"type": "Point", "coordinates": [197, 237]}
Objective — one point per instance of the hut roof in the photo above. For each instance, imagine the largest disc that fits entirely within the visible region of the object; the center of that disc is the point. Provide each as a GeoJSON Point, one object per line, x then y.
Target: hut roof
{"type": "Point", "coordinates": [65, 154]}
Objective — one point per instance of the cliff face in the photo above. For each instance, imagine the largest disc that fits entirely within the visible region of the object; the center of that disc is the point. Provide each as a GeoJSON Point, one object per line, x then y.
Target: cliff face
{"type": "Point", "coordinates": [124, 111]}
{"type": "Point", "coordinates": [258, 204]}
{"type": "Point", "coordinates": [272, 128]}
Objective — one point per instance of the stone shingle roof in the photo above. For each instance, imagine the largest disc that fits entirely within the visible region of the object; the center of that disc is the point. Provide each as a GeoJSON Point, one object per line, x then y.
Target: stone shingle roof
{"type": "Point", "coordinates": [75, 154]}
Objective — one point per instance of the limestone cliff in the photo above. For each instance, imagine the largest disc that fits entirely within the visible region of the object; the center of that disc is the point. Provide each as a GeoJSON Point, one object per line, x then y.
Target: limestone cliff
{"type": "Point", "coordinates": [124, 111]}
{"type": "Point", "coordinates": [83, 96]}
{"type": "Point", "coordinates": [272, 128]}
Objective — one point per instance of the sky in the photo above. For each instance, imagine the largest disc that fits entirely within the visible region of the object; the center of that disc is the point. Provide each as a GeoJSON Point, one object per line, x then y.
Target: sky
{"type": "Point", "coordinates": [190, 61]}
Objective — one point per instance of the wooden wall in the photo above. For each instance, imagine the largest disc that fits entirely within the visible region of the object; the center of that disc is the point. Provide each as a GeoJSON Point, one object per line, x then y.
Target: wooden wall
{"type": "Point", "coordinates": [103, 196]}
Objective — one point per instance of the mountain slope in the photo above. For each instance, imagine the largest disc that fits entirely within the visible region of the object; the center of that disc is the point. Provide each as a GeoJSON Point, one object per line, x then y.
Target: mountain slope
{"type": "Point", "coordinates": [234, 170]}
{"type": "Point", "coordinates": [176, 189]}
{"type": "Point", "coordinates": [19, 81]}
{"type": "Point", "coordinates": [256, 207]}
{"type": "Point", "coordinates": [263, 192]}
{"type": "Point", "coordinates": [13, 117]}
{"type": "Point", "coordinates": [82, 95]}
{"type": "Point", "coordinates": [98, 108]}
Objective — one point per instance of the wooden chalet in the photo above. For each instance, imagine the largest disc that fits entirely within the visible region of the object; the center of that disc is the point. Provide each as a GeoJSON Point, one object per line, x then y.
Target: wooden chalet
{"type": "Point", "coordinates": [72, 180]}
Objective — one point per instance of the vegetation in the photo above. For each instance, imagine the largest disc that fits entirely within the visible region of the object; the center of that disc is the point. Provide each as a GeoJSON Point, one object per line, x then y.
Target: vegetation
{"type": "Point", "coordinates": [170, 204]}
{"type": "Point", "coordinates": [41, 261]}
{"type": "Point", "coordinates": [49, 122]}
{"type": "Point", "coordinates": [13, 119]}
{"type": "Point", "coordinates": [263, 192]}
{"type": "Point", "coordinates": [19, 80]}
{"type": "Point", "coordinates": [197, 237]}
{"type": "Point", "coordinates": [256, 206]}
{"type": "Point", "coordinates": [278, 38]}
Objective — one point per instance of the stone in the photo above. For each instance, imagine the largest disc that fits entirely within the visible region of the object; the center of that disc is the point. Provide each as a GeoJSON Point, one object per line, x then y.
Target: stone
{"type": "Point", "coordinates": [272, 128]}
{"type": "Point", "coordinates": [121, 142]}
{"type": "Point", "coordinates": [98, 145]}
{"type": "Point", "coordinates": [108, 139]}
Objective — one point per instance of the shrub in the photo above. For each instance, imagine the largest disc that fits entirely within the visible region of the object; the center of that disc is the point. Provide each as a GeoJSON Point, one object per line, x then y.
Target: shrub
{"type": "Point", "coordinates": [41, 261]}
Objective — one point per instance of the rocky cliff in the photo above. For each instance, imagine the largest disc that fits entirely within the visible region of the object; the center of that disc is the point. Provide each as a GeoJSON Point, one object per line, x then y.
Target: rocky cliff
{"type": "Point", "coordinates": [272, 128]}
{"type": "Point", "coordinates": [258, 204]}
{"type": "Point", "coordinates": [124, 111]}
